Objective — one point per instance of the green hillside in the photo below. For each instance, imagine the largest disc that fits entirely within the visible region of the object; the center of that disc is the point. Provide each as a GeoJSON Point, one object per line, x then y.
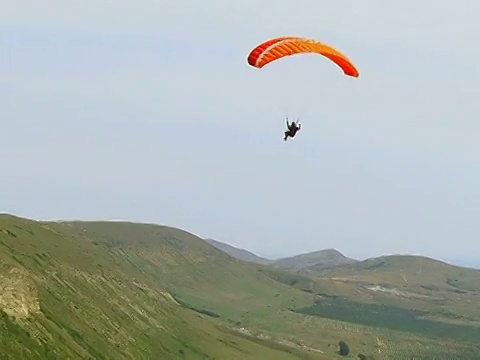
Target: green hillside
{"type": "Point", "coordinates": [408, 270]}
{"type": "Point", "coordinates": [193, 271]}
{"type": "Point", "coordinates": [314, 261]}
{"type": "Point", "coordinates": [239, 293]}
{"type": "Point", "coordinates": [138, 291]}
{"type": "Point", "coordinates": [429, 283]}
{"type": "Point", "coordinates": [64, 297]}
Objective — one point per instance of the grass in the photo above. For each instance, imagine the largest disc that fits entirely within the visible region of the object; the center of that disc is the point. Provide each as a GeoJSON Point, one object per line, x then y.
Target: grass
{"type": "Point", "coordinates": [443, 290]}
{"type": "Point", "coordinates": [92, 306]}
{"type": "Point", "coordinates": [137, 291]}
{"type": "Point", "coordinates": [390, 317]}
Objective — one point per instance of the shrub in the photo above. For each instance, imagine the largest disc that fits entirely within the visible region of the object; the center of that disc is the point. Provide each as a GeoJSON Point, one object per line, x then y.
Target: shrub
{"type": "Point", "coordinates": [344, 349]}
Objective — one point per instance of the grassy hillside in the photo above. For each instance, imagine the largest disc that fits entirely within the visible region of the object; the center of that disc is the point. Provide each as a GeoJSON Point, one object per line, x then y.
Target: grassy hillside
{"type": "Point", "coordinates": [314, 261]}
{"type": "Point", "coordinates": [377, 293]}
{"type": "Point", "coordinates": [428, 283]}
{"type": "Point", "coordinates": [146, 291]}
{"type": "Point", "coordinates": [240, 254]}
{"type": "Point", "coordinates": [193, 271]}
{"type": "Point", "coordinates": [409, 270]}
{"type": "Point", "coordinates": [239, 293]}
{"type": "Point", "coordinates": [64, 297]}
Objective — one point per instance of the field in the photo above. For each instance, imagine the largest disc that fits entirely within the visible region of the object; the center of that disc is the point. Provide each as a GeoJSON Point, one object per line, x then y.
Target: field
{"type": "Point", "coordinates": [137, 291]}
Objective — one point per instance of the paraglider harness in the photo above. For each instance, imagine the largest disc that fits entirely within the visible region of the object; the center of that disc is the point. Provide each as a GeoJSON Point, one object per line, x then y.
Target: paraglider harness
{"type": "Point", "coordinates": [292, 129]}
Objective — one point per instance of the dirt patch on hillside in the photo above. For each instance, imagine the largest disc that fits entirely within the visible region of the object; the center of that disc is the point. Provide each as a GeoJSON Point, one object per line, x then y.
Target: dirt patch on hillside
{"type": "Point", "coordinates": [18, 293]}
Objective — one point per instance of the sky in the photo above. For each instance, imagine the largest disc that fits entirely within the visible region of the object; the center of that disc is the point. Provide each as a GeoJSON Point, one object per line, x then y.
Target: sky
{"type": "Point", "coordinates": [148, 111]}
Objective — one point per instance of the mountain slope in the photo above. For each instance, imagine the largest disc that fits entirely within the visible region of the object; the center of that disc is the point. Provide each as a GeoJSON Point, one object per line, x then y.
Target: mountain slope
{"type": "Point", "coordinates": [209, 280]}
{"type": "Point", "coordinates": [237, 292]}
{"type": "Point", "coordinates": [314, 261]}
{"type": "Point", "coordinates": [64, 297]}
{"type": "Point", "coordinates": [193, 270]}
{"type": "Point", "coordinates": [411, 282]}
{"type": "Point", "coordinates": [409, 270]}
{"type": "Point", "coordinates": [238, 253]}
{"type": "Point", "coordinates": [147, 291]}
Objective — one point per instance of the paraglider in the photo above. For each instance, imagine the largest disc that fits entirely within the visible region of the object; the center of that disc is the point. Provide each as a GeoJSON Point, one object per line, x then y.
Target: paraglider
{"type": "Point", "coordinates": [292, 129]}
{"type": "Point", "coordinates": [278, 48]}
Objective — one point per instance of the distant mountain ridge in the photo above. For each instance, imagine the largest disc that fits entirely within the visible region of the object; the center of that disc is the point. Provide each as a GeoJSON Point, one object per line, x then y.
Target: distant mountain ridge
{"type": "Point", "coordinates": [312, 261]}
{"type": "Point", "coordinates": [238, 253]}
{"type": "Point", "coordinates": [316, 260]}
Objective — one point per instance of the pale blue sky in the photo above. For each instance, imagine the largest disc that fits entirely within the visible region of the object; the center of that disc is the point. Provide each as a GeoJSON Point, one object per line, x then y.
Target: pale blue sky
{"type": "Point", "coordinates": [148, 111]}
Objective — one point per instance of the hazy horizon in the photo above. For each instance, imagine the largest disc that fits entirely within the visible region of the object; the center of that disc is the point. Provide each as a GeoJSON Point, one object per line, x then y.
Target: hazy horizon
{"type": "Point", "coordinates": [150, 112]}
{"type": "Point", "coordinates": [271, 254]}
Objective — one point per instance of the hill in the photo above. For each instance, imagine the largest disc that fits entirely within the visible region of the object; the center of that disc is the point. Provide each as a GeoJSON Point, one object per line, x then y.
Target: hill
{"type": "Point", "coordinates": [139, 291]}
{"type": "Point", "coordinates": [412, 272]}
{"type": "Point", "coordinates": [209, 280]}
{"type": "Point", "coordinates": [450, 293]}
{"type": "Point", "coordinates": [237, 252]}
{"type": "Point", "coordinates": [63, 297]}
{"type": "Point", "coordinates": [314, 261]}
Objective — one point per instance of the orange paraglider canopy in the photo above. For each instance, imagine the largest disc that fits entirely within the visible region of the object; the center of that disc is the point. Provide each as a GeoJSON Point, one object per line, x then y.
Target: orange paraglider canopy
{"type": "Point", "coordinates": [280, 47]}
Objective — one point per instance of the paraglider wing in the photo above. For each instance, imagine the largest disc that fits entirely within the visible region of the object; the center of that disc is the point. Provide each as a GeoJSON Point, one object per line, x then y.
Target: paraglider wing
{"type": "Point", "coordinates": [281, 47]}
